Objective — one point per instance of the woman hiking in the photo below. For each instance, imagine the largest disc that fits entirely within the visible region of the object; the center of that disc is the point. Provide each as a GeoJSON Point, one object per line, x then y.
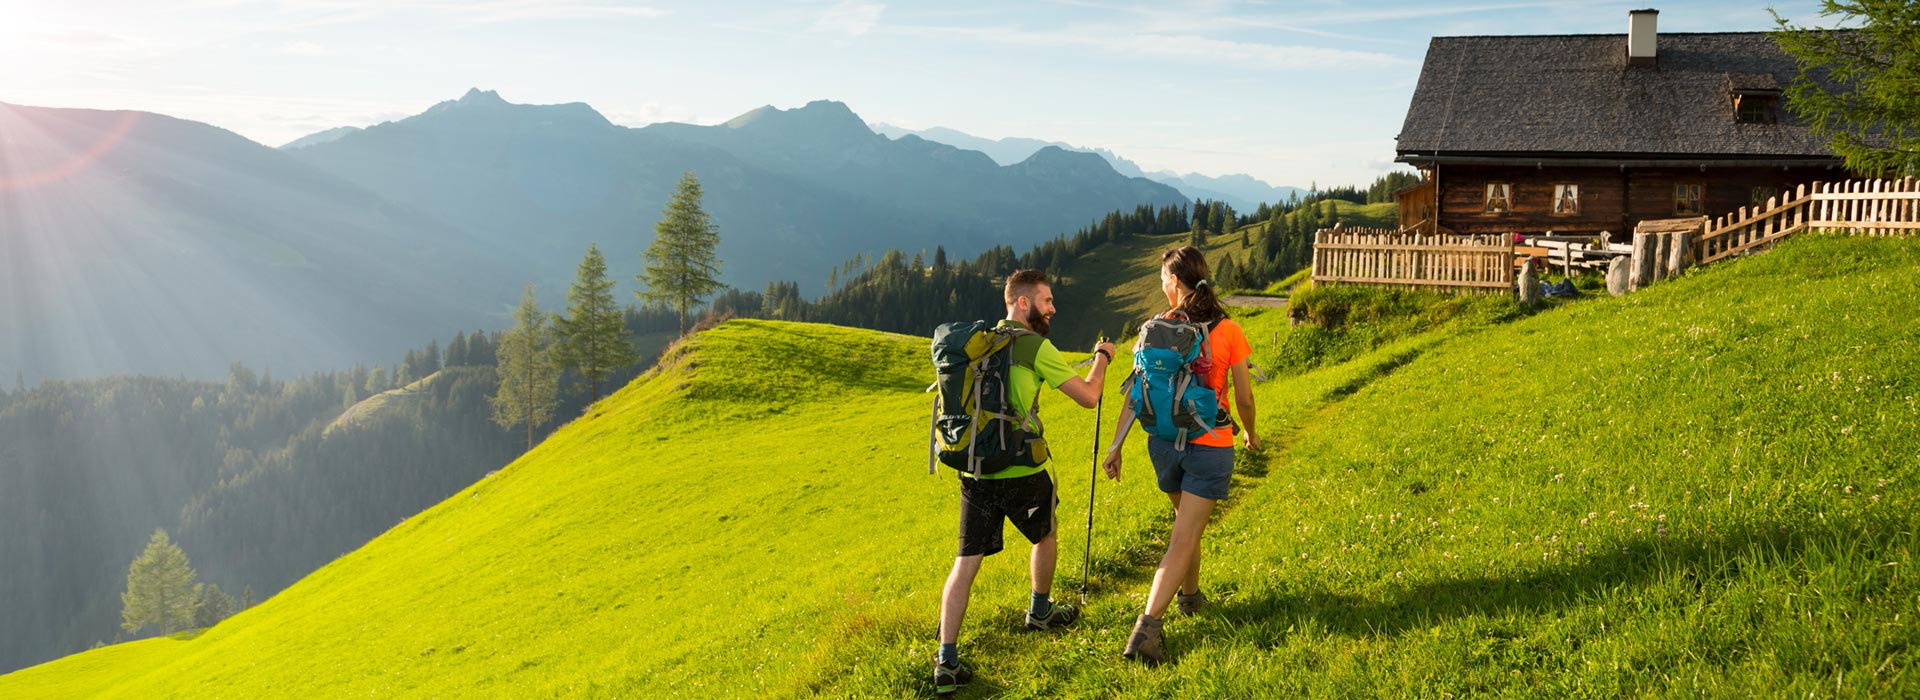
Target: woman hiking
{"type": "Point", "coordinates": [1194, 475]}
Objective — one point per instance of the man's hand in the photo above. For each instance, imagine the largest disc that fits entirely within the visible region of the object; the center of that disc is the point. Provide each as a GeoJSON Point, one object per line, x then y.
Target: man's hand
{"type": "Point", "coordinates": [1112, 464]}
{"type": "Point", "coordinates": [1253, 441]}
{"type": "Point", "coordinates": [1103, 348]}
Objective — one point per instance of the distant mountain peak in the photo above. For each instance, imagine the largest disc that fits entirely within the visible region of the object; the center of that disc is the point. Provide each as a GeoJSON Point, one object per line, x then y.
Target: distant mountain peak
{"type": "Point", "coordinates": [477, 96]}
{"type": "Point", "coordinates": [488, 107]}
{"type": "Point", "coordinates": [818, 119]}
{"type": "Point", "coordinates": [1056, 154]}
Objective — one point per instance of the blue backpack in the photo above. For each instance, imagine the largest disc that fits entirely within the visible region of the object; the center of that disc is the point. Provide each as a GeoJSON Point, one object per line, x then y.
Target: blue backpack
{"type": "Point", "coordinates": [1168, 400]}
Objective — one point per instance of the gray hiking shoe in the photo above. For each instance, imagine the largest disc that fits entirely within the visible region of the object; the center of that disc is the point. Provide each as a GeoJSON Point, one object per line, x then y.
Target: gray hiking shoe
{"type": "Point", "coordinates": [1148, 643]}
{"type": "Point", "coordinates": [1190, 604]}
{"type": "Point", "coordinates": [947, 679]}
{"type": "Point", "coordinates": [1061, 615]}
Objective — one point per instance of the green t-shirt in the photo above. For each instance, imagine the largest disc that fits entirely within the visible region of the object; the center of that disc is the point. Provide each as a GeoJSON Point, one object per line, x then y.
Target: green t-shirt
{"type": "Point", "coordinates": [1049, 368]}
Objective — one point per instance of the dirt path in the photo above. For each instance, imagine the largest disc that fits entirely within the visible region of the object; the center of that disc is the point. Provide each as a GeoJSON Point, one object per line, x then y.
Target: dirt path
{"type": "Point", "coordinates": [1244, 300]}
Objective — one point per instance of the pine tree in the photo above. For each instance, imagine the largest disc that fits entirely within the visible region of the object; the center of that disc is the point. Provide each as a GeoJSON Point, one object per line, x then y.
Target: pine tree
{"type": "Point", "coordinates": [529, 391]}
{"type": "Point", "coordinates": [481, 349]}
{"type": "Point", "coordinates": [19, 383]}
{"type": "Point", "coordinates": [457, 350]}
{"type": "Point", "coordinates": [160, 588]}
{"type": "Point", "coordinates": [430, 360]}
{"type": "Point", "coordinates": [683, 267]}
{"type": "Point", "coordinates": [1227, 274]}
{"type": "Point", "coordinates": [1856, 87]}
{"type": "Point", "coordinates": [213, 606]}
{"type": "Point", "coordinates": [246, 597]}
{"type": "Point", "coordinates": [593, 334]}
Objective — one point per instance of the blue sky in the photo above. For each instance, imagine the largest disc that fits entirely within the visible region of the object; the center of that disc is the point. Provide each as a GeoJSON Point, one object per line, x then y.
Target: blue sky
{"type": "Point", "coordinates": [1290, 92]}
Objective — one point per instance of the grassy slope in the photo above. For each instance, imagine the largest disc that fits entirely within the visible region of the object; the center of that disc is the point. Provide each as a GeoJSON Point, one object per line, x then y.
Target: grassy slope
{"type": "Point", "coordinates": [707, 508]}
{"type": "Point", "coordinates": [1700, 488]}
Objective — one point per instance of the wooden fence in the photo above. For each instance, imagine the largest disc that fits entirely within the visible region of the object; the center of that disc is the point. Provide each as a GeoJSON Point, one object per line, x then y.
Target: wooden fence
{"type": "Point", "coordinates": [1859, 207]}
{"type": "Point", "coordinates": [1445, 262]}
{"type": "Point", "coordinates": [1484, 263]}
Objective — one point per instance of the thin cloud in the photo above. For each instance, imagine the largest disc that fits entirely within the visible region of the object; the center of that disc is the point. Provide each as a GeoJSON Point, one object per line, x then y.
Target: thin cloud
{"type": "Point", "coordinates": [1186, 47]}
{"type": "Point", "coordinates": [848, 18]}
{"type": "Point", "coordinates": [485, 12]}
{"type": "Point", "coordinates": [304, 48]}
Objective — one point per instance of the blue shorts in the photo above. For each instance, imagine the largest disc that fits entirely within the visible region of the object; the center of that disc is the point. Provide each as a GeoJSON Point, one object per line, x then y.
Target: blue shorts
{"type": "Point", "coordinates": [1200, 470]}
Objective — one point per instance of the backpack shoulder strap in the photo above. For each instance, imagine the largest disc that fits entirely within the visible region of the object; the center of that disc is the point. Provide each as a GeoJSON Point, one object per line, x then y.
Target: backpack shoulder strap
{"type": "Point", "coordinates": [1026, 347]}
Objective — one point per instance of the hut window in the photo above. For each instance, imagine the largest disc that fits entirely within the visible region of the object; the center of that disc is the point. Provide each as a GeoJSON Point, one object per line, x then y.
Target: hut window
{"type": "Point", "coordinates": [1689, 199]}
{"type": "Point", "coordinates": [1753, 109]}
{"type": "Point", "coordinates": [1566, 199]}
{"type": "Point", "coordinates": [1762, 194]}
{"type": "Point", "coordinates": [1499, 198]}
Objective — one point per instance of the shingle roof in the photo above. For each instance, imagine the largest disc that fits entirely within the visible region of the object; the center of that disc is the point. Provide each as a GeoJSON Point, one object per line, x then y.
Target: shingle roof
{"type": "Point", "coordinates": [1576, 94]}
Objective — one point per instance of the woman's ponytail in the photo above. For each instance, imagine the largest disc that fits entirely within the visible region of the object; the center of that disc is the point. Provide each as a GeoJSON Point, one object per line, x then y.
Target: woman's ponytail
{"type": "Point", "coordinates": [1189, 266]}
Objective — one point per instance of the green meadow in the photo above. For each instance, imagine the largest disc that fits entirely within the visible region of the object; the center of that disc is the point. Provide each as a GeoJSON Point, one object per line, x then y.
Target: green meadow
{"type": "Point", "coordinates": [1704, 489]}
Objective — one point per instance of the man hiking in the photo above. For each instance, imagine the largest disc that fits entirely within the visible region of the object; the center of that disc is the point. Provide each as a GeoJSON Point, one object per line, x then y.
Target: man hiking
{"type": "Point", "coordinates": [1022, 494]}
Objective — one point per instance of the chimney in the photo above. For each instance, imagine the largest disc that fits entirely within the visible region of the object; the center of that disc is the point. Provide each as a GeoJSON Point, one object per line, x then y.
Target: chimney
{"type": "Point", "coordinates": [1641, 36]}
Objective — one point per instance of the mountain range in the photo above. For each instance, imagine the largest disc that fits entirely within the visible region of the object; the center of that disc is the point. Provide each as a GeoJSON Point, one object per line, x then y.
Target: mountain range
{"type": "Point", "coordinates": [1242, 192]}
{"type": "Point", "coordinates": [144, 243]}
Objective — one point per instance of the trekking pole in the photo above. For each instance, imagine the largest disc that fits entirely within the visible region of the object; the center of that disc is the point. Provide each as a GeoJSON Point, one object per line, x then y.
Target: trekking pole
{"type": "Point", "coordinates": [1093, 480]}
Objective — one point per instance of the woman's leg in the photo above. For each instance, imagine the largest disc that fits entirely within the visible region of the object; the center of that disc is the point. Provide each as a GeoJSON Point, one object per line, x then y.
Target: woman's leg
{"type": "Point", "coordinates": [1183, 547]}
{"type": "Point", "coordinates": [1191, 584]}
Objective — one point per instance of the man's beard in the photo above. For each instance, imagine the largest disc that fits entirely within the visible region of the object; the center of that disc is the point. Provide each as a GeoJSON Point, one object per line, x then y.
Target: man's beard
{"type": "Point", "coordinates": [1037, 323]}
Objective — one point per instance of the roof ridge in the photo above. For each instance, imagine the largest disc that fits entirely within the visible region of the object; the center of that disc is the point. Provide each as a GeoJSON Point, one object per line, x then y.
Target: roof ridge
{"type": "Point", "coordinates": [1596, 34]}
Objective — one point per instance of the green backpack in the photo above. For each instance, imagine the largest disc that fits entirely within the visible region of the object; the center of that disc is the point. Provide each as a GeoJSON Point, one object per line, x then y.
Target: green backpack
{"type": "Point", "coordinates": [974, 427]}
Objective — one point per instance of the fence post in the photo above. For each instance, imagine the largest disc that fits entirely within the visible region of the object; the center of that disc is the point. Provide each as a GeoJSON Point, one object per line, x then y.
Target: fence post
{"type": "Point", "coordinates": [1680, 255]}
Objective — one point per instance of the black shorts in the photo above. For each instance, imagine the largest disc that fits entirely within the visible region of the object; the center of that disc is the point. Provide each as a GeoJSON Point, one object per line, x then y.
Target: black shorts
{"type": "Point", "coordinates": [1028, 501]}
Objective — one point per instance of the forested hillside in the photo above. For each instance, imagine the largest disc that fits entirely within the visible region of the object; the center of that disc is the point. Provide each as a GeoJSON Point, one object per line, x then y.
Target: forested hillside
{"type": "Point", "coordinates": [260, 480]}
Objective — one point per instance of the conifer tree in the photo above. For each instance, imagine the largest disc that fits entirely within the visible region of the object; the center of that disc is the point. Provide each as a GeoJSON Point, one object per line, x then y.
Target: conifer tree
{"type": "Point", "coordinates": [481, 349]}
{"type": "Point", "coordinates": [246, 597]}
{"type": "Point", "coordinates": [593, 335]}
{"type": "Point", "coordinates": [1227, 274]}
{"type": "Point", "coordinates": [529, 390]}
{"type": "Point", "coordinates": [683, 265]}
{"type": "Point", "coordinates": [1866, 106]}
{"type": "Point", "coordinates": [212, 606]}
{"type": "Point", "coordinates": [457, 350]}
{"type": "Point", "coordinates": [160, 588]}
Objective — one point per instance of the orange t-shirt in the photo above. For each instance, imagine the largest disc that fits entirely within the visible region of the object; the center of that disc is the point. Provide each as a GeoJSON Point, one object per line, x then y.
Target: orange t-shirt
{"type": "Point", "coordinates": [1227, 346]}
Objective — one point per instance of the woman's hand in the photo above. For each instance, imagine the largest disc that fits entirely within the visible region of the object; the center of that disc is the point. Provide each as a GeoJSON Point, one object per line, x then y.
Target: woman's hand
{"type": "Point", "coordinates": [1112, 464]}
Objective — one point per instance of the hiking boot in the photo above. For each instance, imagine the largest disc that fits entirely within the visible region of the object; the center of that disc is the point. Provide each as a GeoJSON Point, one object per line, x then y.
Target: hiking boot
{"type": "Point", "coordinates": [1190, 604]}
{"type": "Point", "coordinates": [1148, 643]}
{"type": "Point", "coordinates": [947, 679]}
{"type": "Point", "coordinates": [1061, 615]}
